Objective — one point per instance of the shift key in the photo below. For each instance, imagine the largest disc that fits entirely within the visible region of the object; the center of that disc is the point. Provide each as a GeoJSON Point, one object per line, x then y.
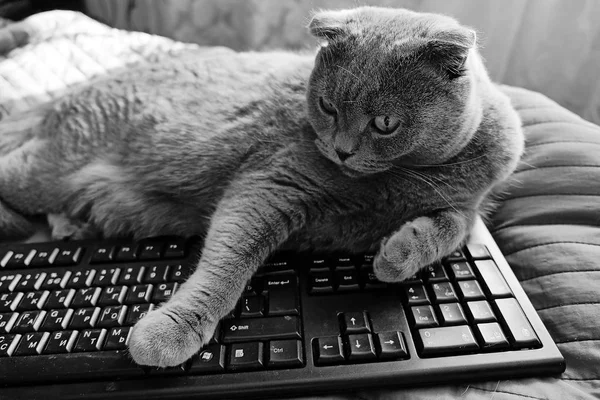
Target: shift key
{"type": "Point", "coordinates": [242, 330]}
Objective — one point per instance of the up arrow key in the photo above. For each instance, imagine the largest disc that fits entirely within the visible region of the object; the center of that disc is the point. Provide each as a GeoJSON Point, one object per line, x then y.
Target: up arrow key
{"type": "Point", "coordinates": [354, 322]}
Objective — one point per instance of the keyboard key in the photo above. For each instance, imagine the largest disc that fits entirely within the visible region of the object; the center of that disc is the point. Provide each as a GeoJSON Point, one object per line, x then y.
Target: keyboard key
{"type": "Point", "coordinates": [174, 248]}
{"type": "Point", "coordinates": [8, 344]}
{"type": "Point", "coordinates": [138, 294]}
{"type": "Point", "coordinates": [60, 342]}
{"type": "Point", "coordinates": [470, 290]}
{"type": "Point", "coordinates": [522, 334]}
{"type": "Point", "coordinates": [239, 330]}
{"type": "Point", "coordinates": [354, 322]}
{"type": "Point", "coordinates": [112, 316]}
{"type": "Point", "coordinates": [137, 312]}
{"type": "Point", "coordinates": [461, 270]}
{"type": "Point", "coordinates": [30, 282]}
{"type": "Point", "coordinates": [495, 284]}
{"type": "Point", "coordinates": [320, 281]}
{"type": "Point", "coordinates": [328, 350]}
{"type": "Point", "coordinates": [423, 317]}
{"type": "Point", "coordinates": [361, 347]}
{"type": "Point", "coordinates": [29, 321]}
{"type": "Point", "coordinates": [342, 260]}
{"type": "Point", "coordinates": [117, 338]}
{"type": "Point", "coordinates": [8, 282]}
{"type": "Point", "coordinates": [33, 301]}
{"type": "Point", "coordinates": [32, 344]}
{"type": "Point", "coordinates": [492, 337]}
{"type": "Point", "coordinates": [443, 292]}
{"type": "Point", "coordinates": [480, 311]}
{"type": "Point", "coordinates": [436, 273]}
{"type": "Point", "coordinates": [245, 356]}
{"type": "Point", "coordinates": [391, 346]}
{"type": "Point", "coordinates": [415, 294]}
{"type": "Point", "coordinates": [43, 258]}
{"type": "Point", "coordinates": [18, 259]}
{"type": "Point", "coordinates": [106, 277]}
{"type": "Point", "coordinates": [150, 251]}
{"type": "Point", "coordinates": [368, 279]}
{"type": "Point", "coordinates": [209, 359]}
{"type": "Point", "coordinates": [68, 256]}
{"type": "Point", "coordinates": [283, 293]}
{"type": "Point", "coordinates": [112, 296]}
{"type": "Point", "coordinates": [90, 340]}
{"type": "Point", "coordinates": [178, 273]}
{"type": "Point", "coordinates": [86, 297]}
{"type": "Point", "coordinates": [84, 318]}
{"type": "Point", "coordinates": [9, 301]}
{"type": "Point", "coordinates": [456, 255]}
{"type": "Point", "coordinates": [163, 292]}
{"type": "Point", "coordinates": [57, 320]}
{"type": "Point", "coordinates": [347, 279]}
{"type": "Point", "coordinates": [131, 276]}
{"type": "Point", "coordinates": [252, 306]}
{"type": "Point", "coordinates": [55, 280]}
{"type": "Point", "coordinates": [81, 279]}
{"type": "Point", "coordinates": [156, 274]}
{"type": "Point", "coordinates": [447, 341]}
{"type": "Point", "coordinates": [285, 354]}
{"type": "Point", "coordinates": [452, 314]}
{"type": "Point", "coordinates": [126, 253]}
{"type": "Point", "coordinates": [7, 320]}
{"type": "Point", "coordinates": [102, 255]}
{"type": "Point", "coordinates": [478, 251]}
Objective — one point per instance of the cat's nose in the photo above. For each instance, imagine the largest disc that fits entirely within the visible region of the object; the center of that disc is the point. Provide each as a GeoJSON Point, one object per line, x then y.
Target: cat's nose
{"type": "Point", "coordinates": [343, 154]}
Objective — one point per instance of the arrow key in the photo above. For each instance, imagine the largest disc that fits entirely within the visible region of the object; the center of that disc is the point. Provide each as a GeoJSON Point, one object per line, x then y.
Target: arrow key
{"type": "Point", "coordinates": [328, 350]}
{"type": "Point", "coordinates": [391, 345]}
{"type": "Point", "coordinates": [354, 322]}
{"type": "Point", "coordinates": [361, 347]}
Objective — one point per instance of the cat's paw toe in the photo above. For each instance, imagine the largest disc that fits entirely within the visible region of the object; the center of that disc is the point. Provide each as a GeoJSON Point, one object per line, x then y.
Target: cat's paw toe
{"type": "Point", "coordinates": [164, 338]}
{"type": "Point", "coordinates": [404, 253]}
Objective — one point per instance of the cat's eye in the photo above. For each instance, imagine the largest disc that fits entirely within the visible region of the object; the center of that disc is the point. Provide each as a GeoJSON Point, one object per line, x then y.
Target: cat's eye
{"type": "Point", "coordinates": [327, 106]}
{"type": "Point", "coordinates": [385, 124]}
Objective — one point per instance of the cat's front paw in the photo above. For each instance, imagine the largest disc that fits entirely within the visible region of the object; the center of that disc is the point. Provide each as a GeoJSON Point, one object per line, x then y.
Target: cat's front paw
{"type": "Point", "coordinates": [405, 252]}
{"type": "Point", "coordinates": [169, 336]}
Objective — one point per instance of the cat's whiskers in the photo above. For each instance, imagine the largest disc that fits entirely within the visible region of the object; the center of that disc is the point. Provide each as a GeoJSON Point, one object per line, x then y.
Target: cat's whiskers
{"type": "Point", "coordinates": [449, 164]}
{"type": "Point", "coordinates": [348, 71]}
{"type": "Point", "coordinates": [413, 174]}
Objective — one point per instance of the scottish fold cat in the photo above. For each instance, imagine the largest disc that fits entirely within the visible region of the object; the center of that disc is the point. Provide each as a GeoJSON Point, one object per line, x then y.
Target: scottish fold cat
{"type": "Point", "coordinates": [389, 139]}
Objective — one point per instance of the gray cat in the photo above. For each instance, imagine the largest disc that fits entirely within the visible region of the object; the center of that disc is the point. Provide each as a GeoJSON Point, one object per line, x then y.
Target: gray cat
{"type": "Point", "coordinates": [389, 140]}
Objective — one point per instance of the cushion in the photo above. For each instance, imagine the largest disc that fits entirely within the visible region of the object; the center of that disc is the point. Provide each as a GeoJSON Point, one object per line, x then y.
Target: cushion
{"type": "Point", "coordinates": [547, 223]}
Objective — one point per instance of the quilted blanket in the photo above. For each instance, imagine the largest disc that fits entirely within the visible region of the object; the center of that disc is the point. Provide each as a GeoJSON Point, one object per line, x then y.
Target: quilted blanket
{"type": "Point", "coordinates": [548, 223]}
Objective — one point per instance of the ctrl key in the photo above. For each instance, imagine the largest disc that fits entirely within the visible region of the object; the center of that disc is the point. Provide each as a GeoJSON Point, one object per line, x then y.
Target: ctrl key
{"type": "Point", "coordinates": [285, 354]}
{"type": "Point", "coordinates": [328, 350]}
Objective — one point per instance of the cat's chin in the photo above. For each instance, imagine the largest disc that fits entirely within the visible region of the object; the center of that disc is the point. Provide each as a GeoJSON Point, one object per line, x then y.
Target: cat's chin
{"type": "Point", "coordinates": [354, 173]}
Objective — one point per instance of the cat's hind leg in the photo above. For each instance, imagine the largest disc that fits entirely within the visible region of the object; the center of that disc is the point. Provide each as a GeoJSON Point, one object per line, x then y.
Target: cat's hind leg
{"type": "Point", "coordinates": [421, 242]}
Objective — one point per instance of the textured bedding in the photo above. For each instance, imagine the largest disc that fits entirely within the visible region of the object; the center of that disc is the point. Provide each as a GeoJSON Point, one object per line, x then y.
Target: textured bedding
{"type": "Point", "coordinates": [548, 222]}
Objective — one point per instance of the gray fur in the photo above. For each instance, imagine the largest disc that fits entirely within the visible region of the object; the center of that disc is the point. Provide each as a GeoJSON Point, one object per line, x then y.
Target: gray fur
{"type": "Point", "coordinates": [236, 147]}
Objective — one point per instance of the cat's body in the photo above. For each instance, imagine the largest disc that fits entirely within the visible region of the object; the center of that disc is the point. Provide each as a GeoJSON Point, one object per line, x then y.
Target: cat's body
{"type": "Point", "coordinates": [224, 145]}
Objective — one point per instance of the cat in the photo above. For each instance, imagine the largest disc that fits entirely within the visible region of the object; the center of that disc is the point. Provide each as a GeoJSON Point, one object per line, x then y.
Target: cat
{"type": "Point", "coordinates": [389, 139]}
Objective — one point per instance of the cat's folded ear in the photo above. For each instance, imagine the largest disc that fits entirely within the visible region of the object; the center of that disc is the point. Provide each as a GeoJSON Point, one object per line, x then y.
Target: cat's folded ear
{"type": "Point", "coordinates": [330, 25]}
{"type": "Point", "coordinates": [449, 50]}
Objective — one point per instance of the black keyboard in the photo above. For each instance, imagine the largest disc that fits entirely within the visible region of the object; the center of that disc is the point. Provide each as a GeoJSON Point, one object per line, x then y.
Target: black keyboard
{"type": "Point", "coordinates": [306, 323]}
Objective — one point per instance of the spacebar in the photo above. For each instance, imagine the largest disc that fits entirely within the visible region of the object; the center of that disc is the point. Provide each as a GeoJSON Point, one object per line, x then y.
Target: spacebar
{"type": "Point", "coordinates": [67, 367]}
{"type": "Point", "coordinates": [240, 330]}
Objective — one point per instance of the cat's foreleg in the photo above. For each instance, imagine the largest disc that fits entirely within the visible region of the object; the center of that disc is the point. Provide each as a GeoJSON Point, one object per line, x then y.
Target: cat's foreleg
{"type": "Point", "coordinates": [421, 242]}
{"type": "Point", "coordinates": [244, 230]}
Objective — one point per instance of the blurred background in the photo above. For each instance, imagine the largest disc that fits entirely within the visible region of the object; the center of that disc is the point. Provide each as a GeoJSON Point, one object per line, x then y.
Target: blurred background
{"type": "Point", "coordinates": [551, 46]}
